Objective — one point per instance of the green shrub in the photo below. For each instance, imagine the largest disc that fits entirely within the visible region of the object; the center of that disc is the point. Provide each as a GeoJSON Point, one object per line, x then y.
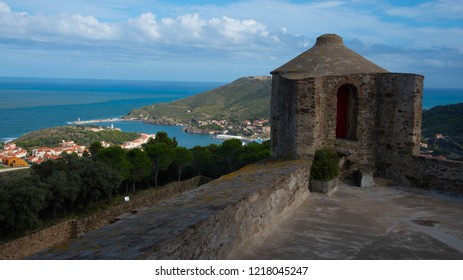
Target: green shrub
{"type": "Point", "coordinates": [325, 165]}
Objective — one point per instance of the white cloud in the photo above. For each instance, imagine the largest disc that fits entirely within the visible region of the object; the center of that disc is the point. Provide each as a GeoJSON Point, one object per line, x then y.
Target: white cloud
{"type": "Point", "coordinates": [238, 31]}
{"type": "Point", "coordinates": [4, 8]}
{"type": "Point", "coordinates": [192, 24]}
{"type": "Point", "coordinates": [252, 33]}
{"type": "Point", "coordinates": [185, 29]}
{"type": "Point", "coordinates": [145, 26]}
{"type": "Point", "coordinates": [83, 26]}
{"type": "Point", "coordinates": [21, 25]}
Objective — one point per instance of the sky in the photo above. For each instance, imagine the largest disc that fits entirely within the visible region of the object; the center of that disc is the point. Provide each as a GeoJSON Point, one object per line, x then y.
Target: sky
{"type": "Point", "coordinates": [223, 40]}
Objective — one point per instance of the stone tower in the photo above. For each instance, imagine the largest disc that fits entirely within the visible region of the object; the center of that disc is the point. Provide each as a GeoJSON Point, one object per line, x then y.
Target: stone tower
{"type": "Point", "coordinates": [331, 96]}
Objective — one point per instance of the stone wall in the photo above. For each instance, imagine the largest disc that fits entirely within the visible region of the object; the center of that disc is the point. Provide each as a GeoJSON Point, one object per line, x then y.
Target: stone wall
{"type": "Point", "coordinates": [361, 147]}
{"type": "Point", "coordinates": [398, 126]}
{"type": "Point", "coordinates": [51, 236]}
{"type": "Point", "coordinates": [307, 119]}
{"type": "Point", "coordinates": [387, 105]}
{"type": "Point", "coordinates": [385, 125]}
{"type": "Point", "coordinates": [283, 122]}
{"type": "Point", "coordinates": [208, 222]}
{"type": "Point", "coordinates": [37, 241]}
{"type": "Point", "coordinates": [428, 173]}
{"type": "Point", "coordinates": [220, 235]}
{"type": "Point", "coordinates": [110, 215]}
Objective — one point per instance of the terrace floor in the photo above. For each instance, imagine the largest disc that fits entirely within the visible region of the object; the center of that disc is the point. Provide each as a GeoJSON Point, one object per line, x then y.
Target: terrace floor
{"type": "Point", "coordinates": [366, 223]}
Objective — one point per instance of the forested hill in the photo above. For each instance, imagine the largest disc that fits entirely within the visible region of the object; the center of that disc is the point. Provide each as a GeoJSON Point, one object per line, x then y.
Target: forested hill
{"type": "Point", "coordinates": [447, 120]}
{"type": "Point", "coordinates": [245, 98]}
{"type": "Point", "coordinates": [81, 135]}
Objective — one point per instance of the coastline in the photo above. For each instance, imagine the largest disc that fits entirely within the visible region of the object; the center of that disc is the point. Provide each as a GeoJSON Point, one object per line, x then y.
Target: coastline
{"type": "Point", "coordinates": [79, 122]}
{"type": "Point", "coordinates": [188, 129]}
{"type": "Point", "coordinates": [184, 139]}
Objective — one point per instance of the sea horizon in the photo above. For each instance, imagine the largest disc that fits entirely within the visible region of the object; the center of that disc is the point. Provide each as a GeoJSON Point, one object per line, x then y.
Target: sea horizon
{"type": "Point", "coordinates": [31, 104]}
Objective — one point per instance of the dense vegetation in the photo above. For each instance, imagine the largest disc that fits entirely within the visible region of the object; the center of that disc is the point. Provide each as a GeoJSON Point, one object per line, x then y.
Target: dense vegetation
{"type": "Point", "coordinates": [446, 120]}
{"type": "Point", "coordinates": [443, 119]}
{"type": "Point", "coordinates": [70, 185]}
{"type": "Point", "coordinates": [51, 137]}
{"type": "Point", "coordinates": [245, 98]}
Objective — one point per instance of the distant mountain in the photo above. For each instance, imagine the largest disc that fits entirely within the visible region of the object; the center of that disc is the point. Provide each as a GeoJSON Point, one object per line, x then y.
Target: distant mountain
{"type": "Point", "coordinates": [244, 98]}
{"type": "Point", "coordinates": [447, 120]}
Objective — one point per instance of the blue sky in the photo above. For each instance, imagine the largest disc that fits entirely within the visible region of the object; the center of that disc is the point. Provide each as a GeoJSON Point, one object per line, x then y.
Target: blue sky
{"type": "Point", "coordinates": [223, 40]}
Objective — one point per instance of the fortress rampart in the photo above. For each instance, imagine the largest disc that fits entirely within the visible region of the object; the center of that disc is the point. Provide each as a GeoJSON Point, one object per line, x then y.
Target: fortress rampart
{"type": "Point", "coordinates": [65, 231]}
{"type": "Point", "coordinates": [208, 222]}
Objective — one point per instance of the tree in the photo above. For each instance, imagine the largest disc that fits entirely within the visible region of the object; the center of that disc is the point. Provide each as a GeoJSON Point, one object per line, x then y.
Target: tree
{"type": "Point", "coordinates": [181, 158]}
{"type": "Point", "coordinates": [95, 148]}
{"type": "Point", "coordinates": [116, 159]}
{"type": "Point", "coordinates": [140, 166]}
{"type": "Point", "coordinates": [162, 137]}
{"type": "Point", "coordinates": [107, 179]}
{"type": "Point", "coordinates": [62, 192]}
{"type": "Point", "coordinates": [253, 152]}
{"type": "Point", "coordinates": [202, 157]}
{"type": "Point", "coordinates": [7, 213]}
{"type": "Point", "coordinates": [47, 168]}
{"type": "Point", "coordinates": [230, 151]}
{"type": "Point", "coordinates": [98, 181]}
{"type": "Point", "coordinates": [160, 155]}
{"type": "Point", "coordinates": [26, 199]}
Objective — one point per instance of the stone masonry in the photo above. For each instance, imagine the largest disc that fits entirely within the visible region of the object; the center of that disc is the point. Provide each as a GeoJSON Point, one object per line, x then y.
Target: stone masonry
{"type": "Point", "coordinates": [331, 96]}
{"type": "Point", "coordinates": [384, 111]}
{"type": "Point", "coordinates": [208, 222]}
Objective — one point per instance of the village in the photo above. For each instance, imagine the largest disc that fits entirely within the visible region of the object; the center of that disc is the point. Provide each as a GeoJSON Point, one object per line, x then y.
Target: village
{"type": "Point", "coordinates": [253, 129]}
{"type": "Point", "coordinates": [13, 156]}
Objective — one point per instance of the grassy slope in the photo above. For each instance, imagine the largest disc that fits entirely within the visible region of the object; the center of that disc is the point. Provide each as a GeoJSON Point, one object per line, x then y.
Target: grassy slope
{"type": "Point", "coordinates": [242, 99]}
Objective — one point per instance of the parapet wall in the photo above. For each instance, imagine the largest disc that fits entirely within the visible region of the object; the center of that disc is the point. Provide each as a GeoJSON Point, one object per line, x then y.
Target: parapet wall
{"type": "Point", "coordinates": [428, 173]}
{"type": "Point", "coordinates": [273, 187]}
{"type": "Point", "coordinates": [65, 231]}
{"type": "Point", "coordinates": [208, 222]}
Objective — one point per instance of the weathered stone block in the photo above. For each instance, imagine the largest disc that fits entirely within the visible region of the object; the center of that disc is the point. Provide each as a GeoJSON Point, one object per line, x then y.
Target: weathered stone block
{"type": "Point", "coordinates": [326, 187]}
{"type": "Point", "coordinates": [365, 179]}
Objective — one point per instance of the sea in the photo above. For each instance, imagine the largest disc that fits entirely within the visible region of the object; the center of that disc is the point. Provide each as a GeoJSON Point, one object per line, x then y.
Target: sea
{"type": "Point", "coordinates": [29, 104]}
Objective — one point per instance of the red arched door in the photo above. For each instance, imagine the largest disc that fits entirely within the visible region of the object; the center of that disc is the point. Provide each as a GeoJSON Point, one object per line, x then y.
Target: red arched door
{"type": "Point", "coordinates": [342, 112]}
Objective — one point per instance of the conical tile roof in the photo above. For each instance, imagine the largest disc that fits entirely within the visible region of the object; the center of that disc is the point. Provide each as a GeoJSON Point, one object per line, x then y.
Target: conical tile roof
{"type": "Point", "coordinates": [328, 57]}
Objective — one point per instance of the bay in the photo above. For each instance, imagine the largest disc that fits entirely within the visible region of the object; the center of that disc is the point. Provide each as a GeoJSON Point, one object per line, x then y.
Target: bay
{"type": "Point", "coordinates": [184, 139]}
{"type": "Point", "coordinates": [29, 104]}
